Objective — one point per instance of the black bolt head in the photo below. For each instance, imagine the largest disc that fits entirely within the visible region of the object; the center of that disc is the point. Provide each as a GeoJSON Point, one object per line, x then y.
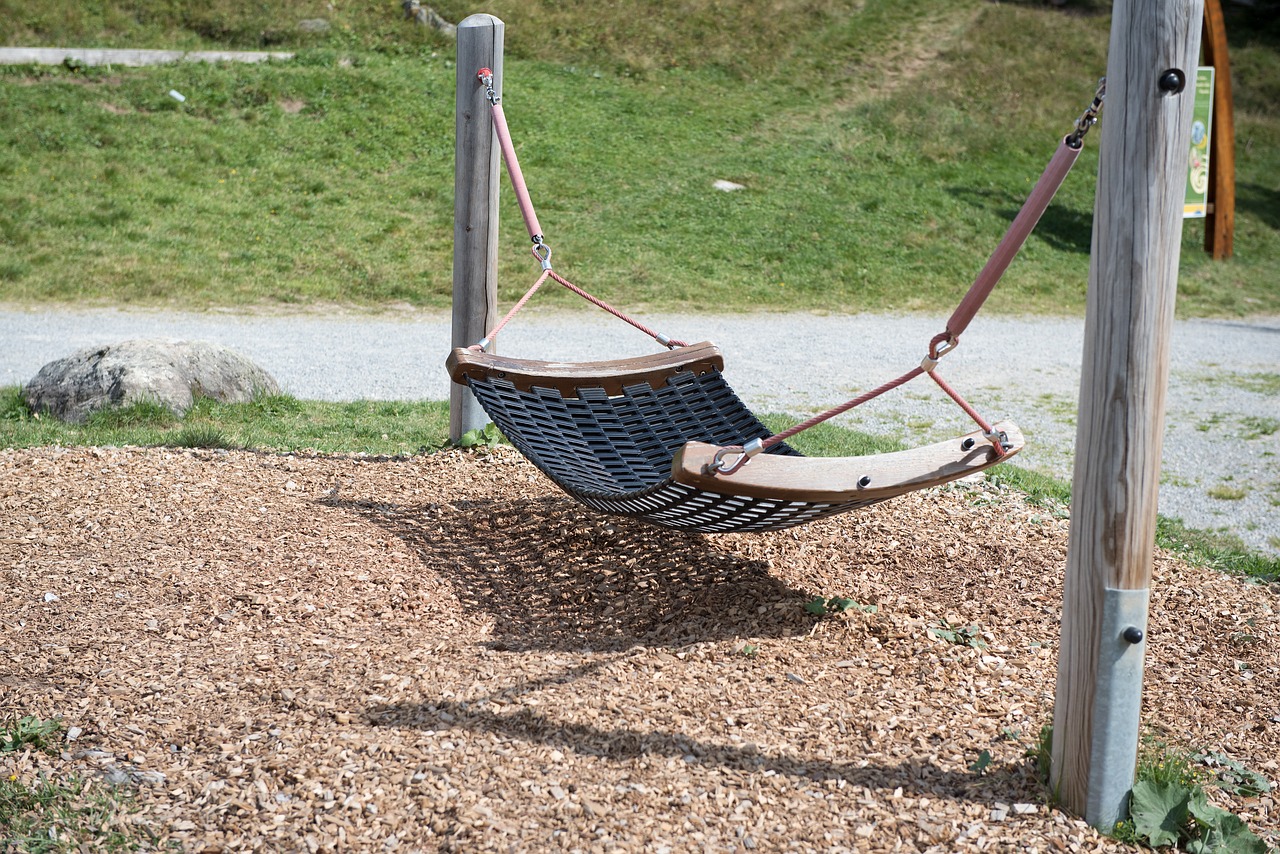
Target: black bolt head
{"type": "Point", "coordinates": [1172, 81]}
{"type": "Point", "coordinates": [1133, 634]}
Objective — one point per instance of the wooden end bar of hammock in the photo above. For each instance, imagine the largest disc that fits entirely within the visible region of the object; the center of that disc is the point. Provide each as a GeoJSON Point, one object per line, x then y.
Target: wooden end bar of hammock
{"type": "Point", "coordinates": [834, 480]}
{"type": "Point", "coordinates": [568, 377]}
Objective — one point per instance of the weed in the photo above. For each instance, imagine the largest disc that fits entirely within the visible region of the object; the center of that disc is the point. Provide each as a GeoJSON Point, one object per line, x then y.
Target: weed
{"type": "Point", "coordinates": [1234, 777]}
{"type": "Point", "coordinates": [1168, 806]}
{"type": "Point", "coordinates": [979, 765]}
{"type": "Point", "coordinates": [960, 635]}
{"type": "Point", "coordinates": [824, 607]}
{"type": "Point", "coordinates": [1042, 752]}
{"type": "Point", "coordinates": [488, 436]}
{"type": "Point", "coordinates": [31, 732]}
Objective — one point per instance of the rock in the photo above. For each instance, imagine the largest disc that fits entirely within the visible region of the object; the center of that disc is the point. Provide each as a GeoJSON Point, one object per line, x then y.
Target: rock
{"type": "Point", "coordinates": [173, 374]}
{"type": "Point", "coordinates": [313, 25]}
{"type": "Point", "coordinates": [427, 17]}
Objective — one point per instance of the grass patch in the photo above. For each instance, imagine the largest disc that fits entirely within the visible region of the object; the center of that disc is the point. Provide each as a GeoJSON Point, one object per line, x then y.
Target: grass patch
{"type": "Point", "coordinates": [70, 814]}
{"type": "Point", "coordinates": [66, 814]}
{"type": "Point", "coordinates": [271, 423]}
{"type": "Point", "coordinates": [1227, 492]}
{"type": "Point", "coordinates": [884, 147]}
{"type": "Point", "coordinates": [1215, 549]}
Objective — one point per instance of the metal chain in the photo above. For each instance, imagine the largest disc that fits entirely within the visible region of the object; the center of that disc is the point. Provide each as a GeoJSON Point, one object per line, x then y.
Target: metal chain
{"type": "Point", "coordinates": [1089, 117]}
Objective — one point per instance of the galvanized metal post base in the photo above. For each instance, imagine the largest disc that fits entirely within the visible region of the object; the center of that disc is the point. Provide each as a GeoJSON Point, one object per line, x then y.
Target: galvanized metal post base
{"type": "Point", "coordinates": [1117, 704]}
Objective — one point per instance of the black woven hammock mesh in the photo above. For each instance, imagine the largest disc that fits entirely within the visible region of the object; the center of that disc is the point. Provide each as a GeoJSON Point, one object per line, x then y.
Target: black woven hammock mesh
{"type": "Point", "coordinates": [613, 452]}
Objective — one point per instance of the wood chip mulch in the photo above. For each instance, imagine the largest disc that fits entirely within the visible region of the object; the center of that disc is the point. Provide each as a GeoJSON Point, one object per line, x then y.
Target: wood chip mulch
{"type": "Point", "coordinates": [305, 652]}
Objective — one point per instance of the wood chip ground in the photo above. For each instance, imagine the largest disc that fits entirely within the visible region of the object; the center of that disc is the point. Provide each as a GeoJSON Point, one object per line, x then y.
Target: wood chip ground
{"type": "Point", "coordinates": [444, 653]}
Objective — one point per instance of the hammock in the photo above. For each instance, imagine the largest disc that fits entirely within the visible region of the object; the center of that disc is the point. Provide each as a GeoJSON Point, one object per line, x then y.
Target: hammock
{"type": "Point", "coordinates": [663, 438]}
{"type": "Point", "coordinates": [638, 437]}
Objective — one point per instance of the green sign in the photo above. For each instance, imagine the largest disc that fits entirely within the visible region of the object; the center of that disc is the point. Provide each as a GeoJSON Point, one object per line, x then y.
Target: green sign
{"type": "Point", "coordinates": [1196, 204]}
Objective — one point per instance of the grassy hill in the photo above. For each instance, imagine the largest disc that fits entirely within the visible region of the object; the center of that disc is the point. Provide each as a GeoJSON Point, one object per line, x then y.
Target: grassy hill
{"type": "Point", "coordinates": [884, 146]}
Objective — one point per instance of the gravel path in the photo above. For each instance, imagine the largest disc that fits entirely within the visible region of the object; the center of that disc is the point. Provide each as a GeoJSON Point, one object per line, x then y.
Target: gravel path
{"type": "Point", "coordinates": [1222, 434]}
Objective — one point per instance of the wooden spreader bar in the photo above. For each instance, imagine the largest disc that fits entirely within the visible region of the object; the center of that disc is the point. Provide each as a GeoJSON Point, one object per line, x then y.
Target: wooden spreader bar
{"type": "Point", "coordinates": [837, 479]}
{"type": "Point", "coordinates": [567, 377]}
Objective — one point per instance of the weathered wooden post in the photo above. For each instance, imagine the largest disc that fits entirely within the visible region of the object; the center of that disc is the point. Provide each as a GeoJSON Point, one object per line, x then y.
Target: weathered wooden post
{"type": "Point", "coordinates": [1133, 275]}
{"type": "Point", "coordinates": [475, 206]}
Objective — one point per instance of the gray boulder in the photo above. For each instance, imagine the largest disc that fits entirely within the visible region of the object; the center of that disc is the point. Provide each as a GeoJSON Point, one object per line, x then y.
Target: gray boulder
{"type": "Point", "coordinates": [171, 373]}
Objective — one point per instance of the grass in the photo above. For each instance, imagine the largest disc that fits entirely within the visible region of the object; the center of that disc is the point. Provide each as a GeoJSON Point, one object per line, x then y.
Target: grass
{"type": "Point", "coordinates": [277, 423]}
{"type": "Point", "coordinates": [884, 147]}
{"type": "Point", "coordinates": [64, 814]}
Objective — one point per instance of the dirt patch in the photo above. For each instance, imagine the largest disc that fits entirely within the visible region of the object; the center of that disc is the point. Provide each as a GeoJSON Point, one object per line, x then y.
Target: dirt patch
{"type": "Point", "coordinates": [445, 653]}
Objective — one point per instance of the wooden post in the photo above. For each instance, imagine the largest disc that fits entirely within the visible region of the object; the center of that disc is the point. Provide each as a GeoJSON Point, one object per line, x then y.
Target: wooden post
{"type": "Point", "coordinates": [1137, 228]}
{"type": "Point", "coordinates": [1220, 220]}
{"type": "Point", "coordinates": [475, 206]}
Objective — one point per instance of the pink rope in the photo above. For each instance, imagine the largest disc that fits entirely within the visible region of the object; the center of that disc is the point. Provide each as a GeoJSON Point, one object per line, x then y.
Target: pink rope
{"type": "Point", "coordinates": [517, 177]}
{"type": "Point", "coordinates": [615, 312]}
{"type": "Point", "coordinates": [842, 408]}
{"type": "Point", "coordinates": [969, 410]}
{"type": "Point", "coordinates": [1034, 207]}
{"type": "Point", "coordinates": [515, 308]}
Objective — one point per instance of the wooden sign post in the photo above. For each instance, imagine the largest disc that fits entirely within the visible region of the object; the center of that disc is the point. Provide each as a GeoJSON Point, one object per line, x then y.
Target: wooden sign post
{"type": "Point", "coordinates": [1133, 273]}
{"type": "Point", "coordinates": [1220, 221]}
{"type": "Point", "coordinates": [475, 206]}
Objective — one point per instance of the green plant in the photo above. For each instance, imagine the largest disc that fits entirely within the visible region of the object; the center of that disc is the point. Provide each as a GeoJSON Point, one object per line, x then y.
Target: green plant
{"type": "Point", "coordinates": [823, 606]}
{"type": "Point", "coordinates": [1170, 813]}
{"type": "Point", "coordinates": [1168, 804]}
{"type": "Point", "coordinates": [488, 436]}
{"type": "Point", "coordinates": [1234, 777]}
{"type": "Point", "coordinates": [30, 732]}
{"type": "Point", "coordinates": [961, 635]}
{"type": "Point", "coordinates": [979, 765]}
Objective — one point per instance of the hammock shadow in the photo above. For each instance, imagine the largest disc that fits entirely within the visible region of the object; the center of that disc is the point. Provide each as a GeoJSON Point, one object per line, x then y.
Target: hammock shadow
{"type": "Point", "coordinates": [554, 576]}
{"type": "Point", "coordinates": [1065, 229]}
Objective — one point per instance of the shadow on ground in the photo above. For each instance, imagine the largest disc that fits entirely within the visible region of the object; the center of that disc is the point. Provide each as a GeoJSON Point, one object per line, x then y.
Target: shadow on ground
{"type": "Point", "coordinates": [555, 576]}
{"type": "Point", "coordinates": [1010, 783]}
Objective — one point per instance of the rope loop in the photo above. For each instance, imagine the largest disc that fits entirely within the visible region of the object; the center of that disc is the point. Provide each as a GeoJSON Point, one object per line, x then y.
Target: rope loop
{"type": "Point", "coordinates": [720, 465]}
{"type": "Point", "coordinates": [542, 252]}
